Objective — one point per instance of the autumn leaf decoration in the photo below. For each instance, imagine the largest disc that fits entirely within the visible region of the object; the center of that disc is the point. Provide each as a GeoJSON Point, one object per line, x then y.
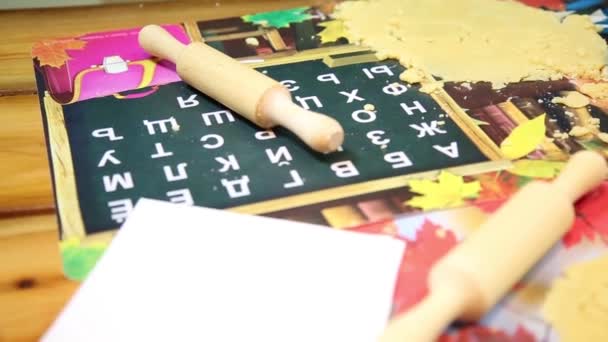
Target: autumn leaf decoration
{"type": "Point", "coordinates": [448, 191]}
{"type": "Point", "coordinates": [524, 139]}
{"type": "Point", "coordinates": [332, 31]}
{"type": "Point", "coordinates": [280, 18]}
{"type": "Point", "coordinates": [54, 52]}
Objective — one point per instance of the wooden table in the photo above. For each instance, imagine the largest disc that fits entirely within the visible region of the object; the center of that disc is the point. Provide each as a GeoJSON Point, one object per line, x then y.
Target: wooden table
{"type": "Point", "coordinates": [32, 287]}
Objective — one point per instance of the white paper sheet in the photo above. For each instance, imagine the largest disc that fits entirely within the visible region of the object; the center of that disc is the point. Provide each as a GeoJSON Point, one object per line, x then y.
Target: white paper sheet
{"type": "Point", "coordinates": [179, 273]}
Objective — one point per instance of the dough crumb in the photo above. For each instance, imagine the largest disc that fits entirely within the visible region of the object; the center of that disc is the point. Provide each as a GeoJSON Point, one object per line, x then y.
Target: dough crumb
{"type": "Point", "coordinates": [574, 99]}
{"type": "Point", "coordinates": [579, 131]}
{"type": "Point", "coordinates": [603, 137]}
{"type": "Point", "coordinates": [412, 75]}
{"type": "Point", "coordinates": [597, 91]}
{"type": "Point", "coordinates": [431, 87]}
{"type": "Point", "coordinates": [369, 107]}
{"type": "Point", "coordinates": [252, 41]}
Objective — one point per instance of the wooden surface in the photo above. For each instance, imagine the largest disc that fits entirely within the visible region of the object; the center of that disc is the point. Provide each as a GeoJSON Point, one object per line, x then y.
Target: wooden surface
{"type": "Point", "coordinates": [32, 287]}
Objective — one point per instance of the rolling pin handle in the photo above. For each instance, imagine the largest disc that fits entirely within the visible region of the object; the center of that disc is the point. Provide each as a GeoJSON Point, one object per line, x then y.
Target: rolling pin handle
{"type": "Point", "coordinates": [158, 42]}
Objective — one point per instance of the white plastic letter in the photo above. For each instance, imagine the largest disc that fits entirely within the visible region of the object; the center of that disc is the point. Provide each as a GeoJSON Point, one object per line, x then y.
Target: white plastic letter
{"type": "Point", "coordinates": [265, 135]}
{"type": "Point", "coordinates": [111, 183]}
{"type": "Point", "coordinates": [217, 116]}
{"type": "Point", "coordinates": [351, 96]}
{"type": "Point", "coordinates": [120, 209]}
{"type": "Point", "coordinates": [160, 151]}
{"type": "Point", "coordinates": [328, 78]}
{"type": "Point", "coordinates": [182, 196]}
{"type": "Point", "coordinates": [410, 110]}
{"type": "Point", "coordinates": [162, 125]}
{"type": "Point", "coordinates": [304, 104]}
{"type": "Point", "coordinates": [189, 102]}
{"type": "Point", "coordinates": [394, 89]}
{"type": "Point", "coordinates": [181, 172]}
{"type": "Point", "coordinates": [276, 156]}
{"type": "Point", "coordinates": [290, 85]}
{"type": "Point", "coordinates": [367, 117]}
{"type": "Point", "coordinates": [424, 129]}
{"type": "Point", "coordinates": [380, 69]}
{"type": "Point", "coordinates": [227, 164]}
{"type": "Point", "coordinates": [398, 159]}
{"type": "Point", "coordinates": [238, 187]}
{"type": "Point", "coordinates": [344, 169]}
{"type": "Point", "coordinates": [450, 151]}
{"type": "Point", "coordinates": [219, 141]}
{"type": "Point", "coordinates": [296, 180]}
{"type": "Point", "coordinates": [376, 137]}
{"type": "Point", "coordinates": [108, 156]}
{"type": "Point", "coordinates": [106, 133]}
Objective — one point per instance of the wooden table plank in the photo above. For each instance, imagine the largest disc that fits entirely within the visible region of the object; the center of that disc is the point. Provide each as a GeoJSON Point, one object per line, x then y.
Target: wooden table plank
{"type": "Point", "coordinates": [22, 28]}
{"type": "Point", "coordinates": [24, 172]}
{"type": "Point", "coordinates": [32, 287]}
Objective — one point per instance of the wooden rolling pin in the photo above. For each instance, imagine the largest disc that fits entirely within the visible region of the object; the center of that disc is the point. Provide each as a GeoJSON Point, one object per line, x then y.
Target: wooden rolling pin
{"type": "Point", "coordinates": [246, 91]}
{"type": "Point", "coordinates": [473, 276]}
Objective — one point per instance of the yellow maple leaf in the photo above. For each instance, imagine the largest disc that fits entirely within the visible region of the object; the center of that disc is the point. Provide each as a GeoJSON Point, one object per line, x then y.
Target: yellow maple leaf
{"type": "Point", "coordinates": [333, 30]}
{"type": "Point", "coordinates": [448, 191]}
{"type": "Point", "coordinates": [536, 168]}
{"type": "Point", "coordinates": [524, 139]}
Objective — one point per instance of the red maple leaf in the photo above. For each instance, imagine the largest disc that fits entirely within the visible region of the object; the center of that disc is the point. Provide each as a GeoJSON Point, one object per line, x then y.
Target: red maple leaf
{"type": "Point", "coordinates": [556, 5]}
{"type": "Point", "coordinates": [432, 242]}
{"type": "Point", "coordinates": [592, 218]}
{"type": "Point", "coordinates": [478, 333]}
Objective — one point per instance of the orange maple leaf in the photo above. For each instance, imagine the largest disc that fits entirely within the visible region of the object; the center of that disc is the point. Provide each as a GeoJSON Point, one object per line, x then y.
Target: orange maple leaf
{"type": "Point", "coordinates": [53, 52]}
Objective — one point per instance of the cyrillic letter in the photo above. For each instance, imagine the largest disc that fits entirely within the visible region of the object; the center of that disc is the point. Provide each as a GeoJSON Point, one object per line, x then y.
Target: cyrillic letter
{"type": "Point", "coordinates": [296, 180]}
{"type": "Point", "coordinates": [303, 104]}
{"type": "Point", "coordinates": [219, 141]}
{"type": "Point", "coordinates": [238, 187]}
{"type": "Point", "coordinates": [394, 89]}
{"type": "Point", "coordinates": [227, 164]}
{"type": "Point", "coordinates": [108, 156]}
{"type": "Point", "coordinates": [351, 96]}
{"type": "Point", "coordinates": [410, 110]}
{"type": "Point", "coordinates": [376, 137]}
{"type": "Point", "coordinates": [281, 152]}
{"type": "Point", "coordinates": [344, 169]}
{"type": "Point", "coordinates": [106, 133]}
{"type": "Point", "coordinates": [189, 102]}
{"type": "Point", "coordinates": [368, 117]}
{"type": "Point", "coordinates": [111, 183]}
{"type": "Point", "coordinates": [217, 116]}
{"type": "Point", "coordinates": [380, 69]}
{"type": "Point", "coordinates": [162, 125]}
{"type": "Point", "coordinates": [328, 77]}
{"type": "Point", "coordinates": [160, 151]}
{"type": "Point", "coordinates": [181, 172]}
{"type": "Point", "coordinates": [120, 209]}
{"type": "Point", "coordinates": [398, 159]}
{"type": "Point", "coordinates": [180, 196]}
{"type": "Point", "coordinates": [289, 85]}
{"type": "Point", "coordinates": [265, 135]}
{"type": "Point", "coordinates": [450, 151]}
{"type": "Point", "coordinates": [424, 129]}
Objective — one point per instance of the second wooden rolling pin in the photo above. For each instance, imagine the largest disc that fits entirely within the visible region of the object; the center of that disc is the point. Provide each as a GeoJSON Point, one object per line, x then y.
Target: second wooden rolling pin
{"type": "Point", "coordinates": [246, 91]}
{"type": "Point", "coordinates": [474, 275]}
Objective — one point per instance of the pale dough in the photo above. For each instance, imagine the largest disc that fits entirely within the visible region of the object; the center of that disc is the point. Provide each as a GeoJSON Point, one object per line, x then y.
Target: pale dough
{"type": "Point", "coordinates": [477, 40]}
{"type": "Point", "coordinates": [573, 100]}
